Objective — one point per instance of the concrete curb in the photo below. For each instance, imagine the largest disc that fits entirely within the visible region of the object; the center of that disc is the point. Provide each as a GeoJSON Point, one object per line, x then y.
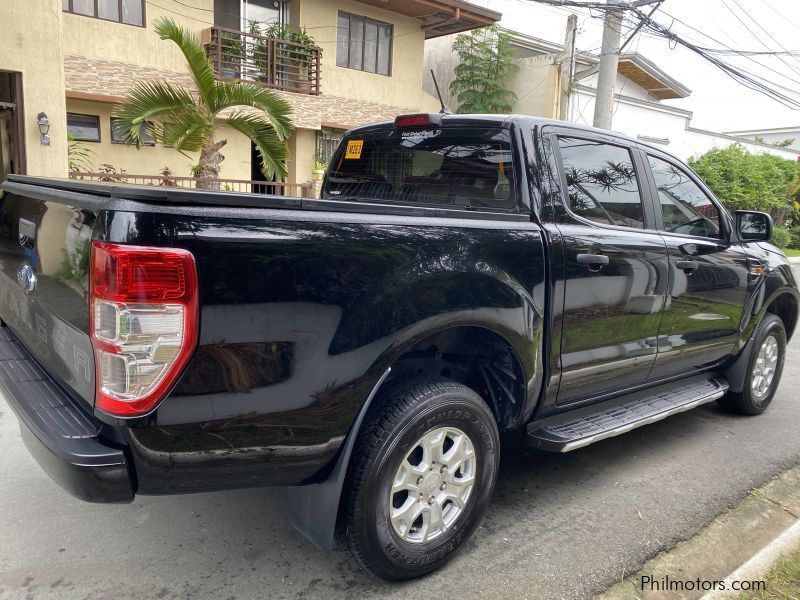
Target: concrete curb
{"type": "Point", "coordinates": [741, 544]}
{"type": "Point", "coordinates": [795, 260]}
{"type": "Point", "coordinates": [760, 564]}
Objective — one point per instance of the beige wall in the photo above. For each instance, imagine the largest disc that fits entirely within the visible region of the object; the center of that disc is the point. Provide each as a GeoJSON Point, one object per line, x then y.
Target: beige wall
{"type": "Point", "coordinates": [150, 160]}
{"type": "Point", "coordinates": [302, 148]}
{"type": "Point", "coordinates": [535, 84]}
{"type": "Point", "coordinates": [30, 43]}
{"type": "Point", "coordinates": [403, 88]}
{"type": "Point", "coordinates": [97, 39]}
{"type": "Point", "coordinates": [537, 87]}
{"type": "Point", "coordinates": [107, 40]}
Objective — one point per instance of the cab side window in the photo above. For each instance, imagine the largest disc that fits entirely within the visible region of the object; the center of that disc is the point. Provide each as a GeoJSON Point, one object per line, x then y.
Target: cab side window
{"type": "Point", "coordinates": [685, 208]}
{"type": "Point", "coordinates": [601, 182]}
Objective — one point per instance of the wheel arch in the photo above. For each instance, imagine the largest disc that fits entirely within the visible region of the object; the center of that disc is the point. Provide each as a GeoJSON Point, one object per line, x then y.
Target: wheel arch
{"type": "Point", "coordinates": [483, 359]}
{"type": "Point", "coordinates": [784, 305]}
{"type": "Point", "coordinates": [314, 509]}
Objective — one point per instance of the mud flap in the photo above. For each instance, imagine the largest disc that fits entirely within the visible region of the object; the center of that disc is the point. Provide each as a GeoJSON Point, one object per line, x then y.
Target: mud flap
{"type": "Point", "coordinates": [313, 509]}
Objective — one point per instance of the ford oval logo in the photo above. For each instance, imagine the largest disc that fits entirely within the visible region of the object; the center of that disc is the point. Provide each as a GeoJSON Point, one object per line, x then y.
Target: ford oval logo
{"type": "Point", "coordinates": [26, 278]}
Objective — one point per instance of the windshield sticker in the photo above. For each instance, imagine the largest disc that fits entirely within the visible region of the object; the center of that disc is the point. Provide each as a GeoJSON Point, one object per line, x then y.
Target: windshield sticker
{"type": "Point", "coordinates": [354, 148]}
{"type": "Point", "coordinates": [415, 137]}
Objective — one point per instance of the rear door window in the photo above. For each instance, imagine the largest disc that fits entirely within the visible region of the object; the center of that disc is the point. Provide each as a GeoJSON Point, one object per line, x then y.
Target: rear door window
{"type": "Point", "coordinates": [458, 166]}
{"type": "Point", "coordinates": [601, 182]}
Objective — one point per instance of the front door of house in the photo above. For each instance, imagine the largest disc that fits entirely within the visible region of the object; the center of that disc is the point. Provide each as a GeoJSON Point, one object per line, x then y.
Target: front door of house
{"type": "Point", "coordinates": [11, 132]}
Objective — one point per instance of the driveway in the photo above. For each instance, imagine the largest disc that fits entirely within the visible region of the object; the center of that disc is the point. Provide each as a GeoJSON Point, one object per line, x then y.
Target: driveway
{"type": "Point", "coordinates": [560, 526]}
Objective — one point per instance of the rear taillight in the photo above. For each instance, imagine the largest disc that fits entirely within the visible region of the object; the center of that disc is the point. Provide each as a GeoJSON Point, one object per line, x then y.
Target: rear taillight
{"type": "Point", "coordinates": [143, 322]}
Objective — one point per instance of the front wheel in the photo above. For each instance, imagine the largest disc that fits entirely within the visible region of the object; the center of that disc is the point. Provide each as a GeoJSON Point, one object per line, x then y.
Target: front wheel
{"type": "Point", "coordinates": [764, 369]}
{"type": "Point", "coordinates": [423, 471]}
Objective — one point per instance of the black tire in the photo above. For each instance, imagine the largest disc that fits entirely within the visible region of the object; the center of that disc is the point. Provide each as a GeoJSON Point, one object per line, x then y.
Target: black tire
{"type": "Point", "coordinates": [401, 417]}
{"type": "Point", "coordinates": [748, 402]}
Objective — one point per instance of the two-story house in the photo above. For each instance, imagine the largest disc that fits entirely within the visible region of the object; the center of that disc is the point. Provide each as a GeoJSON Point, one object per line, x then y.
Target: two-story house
{"type": "Point", "coordinates": [73, 60]}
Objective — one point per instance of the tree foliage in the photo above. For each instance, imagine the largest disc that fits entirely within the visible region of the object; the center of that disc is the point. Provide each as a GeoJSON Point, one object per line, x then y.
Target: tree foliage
{"type": "Point", "coordinates": [190, 120]}
{"type": "Point", "coordinates": [486, 65]}
{"type": "Point", "coordinates": [742, 180]}
{"type": "Point", "coordinates": [78, 155]}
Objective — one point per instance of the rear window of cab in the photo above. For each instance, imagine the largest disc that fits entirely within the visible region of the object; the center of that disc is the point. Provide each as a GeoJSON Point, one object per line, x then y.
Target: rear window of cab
{"type": "Point", "coordinates": [456, 166]}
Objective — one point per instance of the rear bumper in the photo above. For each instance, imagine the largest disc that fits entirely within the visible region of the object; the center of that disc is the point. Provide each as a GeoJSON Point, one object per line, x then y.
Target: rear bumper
{"type": "Point", "coordinates": [64, 440]}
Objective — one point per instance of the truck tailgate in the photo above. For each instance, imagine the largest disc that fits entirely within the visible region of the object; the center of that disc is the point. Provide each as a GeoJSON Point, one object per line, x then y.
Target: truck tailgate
{"type": "Point", "coordinates": [44, 257]}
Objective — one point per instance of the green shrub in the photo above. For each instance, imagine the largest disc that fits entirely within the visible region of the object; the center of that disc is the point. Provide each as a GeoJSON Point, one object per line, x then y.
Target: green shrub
{"type": "Point", "coordinates": [794, 234]}
{"type": "Point", "coordinates": [742, 180]}
{"type": "Point", "coordinates": [781, 237]}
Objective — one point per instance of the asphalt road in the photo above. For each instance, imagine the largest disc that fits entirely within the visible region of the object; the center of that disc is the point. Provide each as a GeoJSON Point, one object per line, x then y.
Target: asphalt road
{"type": "Point", "coordinates": [560, 526]}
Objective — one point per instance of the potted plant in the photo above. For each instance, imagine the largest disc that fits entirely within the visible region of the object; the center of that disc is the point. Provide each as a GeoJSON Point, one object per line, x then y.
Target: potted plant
{"type": "Point", "coordinates": [295, 58]}
{"type": "Point", "coordinates": [232, 51]}
{"type": "Point", "coordinates": [301, 57]}
{"type": "Point", "coordinates": [259, 52]}
{"type": "Point", "coordinates": [319, 170]}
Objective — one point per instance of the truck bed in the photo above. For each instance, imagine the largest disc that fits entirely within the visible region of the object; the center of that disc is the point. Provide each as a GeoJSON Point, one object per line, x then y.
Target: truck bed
{"type": "Point", "coordinates": [303, 306]}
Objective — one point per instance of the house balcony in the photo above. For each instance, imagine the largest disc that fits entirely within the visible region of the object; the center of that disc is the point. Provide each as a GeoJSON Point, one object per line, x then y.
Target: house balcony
{"type": "Point", "coordinates": [275, 63]}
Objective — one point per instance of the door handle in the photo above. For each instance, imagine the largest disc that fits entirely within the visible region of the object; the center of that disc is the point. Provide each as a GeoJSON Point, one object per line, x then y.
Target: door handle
{"type": "Point", "coordinates": [593, 259]}
{"type": "Point", "coordinates": [687, 265]}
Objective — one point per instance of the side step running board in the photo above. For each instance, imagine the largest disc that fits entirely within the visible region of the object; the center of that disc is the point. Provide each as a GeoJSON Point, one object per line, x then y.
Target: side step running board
{"type": "Point", "coordinates": [584, 426]}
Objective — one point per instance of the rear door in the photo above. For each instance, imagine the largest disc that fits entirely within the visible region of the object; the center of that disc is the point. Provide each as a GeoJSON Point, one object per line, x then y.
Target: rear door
{"type": "Point", "coordinates": [708, 275]}
{"type": "Point", "coordinates": [615, 273]}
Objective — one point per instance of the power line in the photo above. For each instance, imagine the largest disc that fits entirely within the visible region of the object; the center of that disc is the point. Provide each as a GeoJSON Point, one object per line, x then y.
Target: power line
{"type": "Point", "coordinates": [639, 26]}
{"type": "Point", "coordinates": [749, 16]}
{"type": "Point", "coordinates": [753, 52]}
{"type": "Point", "coordinates": [713, 39]}
{"type": "Point", "coordinates": [749, 80]}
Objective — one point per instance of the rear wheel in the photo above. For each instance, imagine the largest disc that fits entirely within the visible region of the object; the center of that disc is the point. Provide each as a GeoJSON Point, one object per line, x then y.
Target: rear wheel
{"type": "Point", "coordinates": [764, 369]}
{"type": "Point", "coordinates": [423, 471]}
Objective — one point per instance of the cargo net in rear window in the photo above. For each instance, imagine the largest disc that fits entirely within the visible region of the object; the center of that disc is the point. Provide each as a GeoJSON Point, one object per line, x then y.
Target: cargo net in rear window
{"type": "Point", "coordinates": [447, 166]}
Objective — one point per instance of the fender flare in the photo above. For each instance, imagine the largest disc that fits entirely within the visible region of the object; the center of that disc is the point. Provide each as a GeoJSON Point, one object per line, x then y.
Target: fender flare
{"type": "Point", "coordinates": [736, 372]}
{"type": "Point", "coordinates": [314, 508]}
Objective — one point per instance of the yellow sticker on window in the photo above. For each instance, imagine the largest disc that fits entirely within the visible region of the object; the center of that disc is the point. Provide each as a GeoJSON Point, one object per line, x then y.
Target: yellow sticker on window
{"type": "Point", "coordinates": [354, 148]}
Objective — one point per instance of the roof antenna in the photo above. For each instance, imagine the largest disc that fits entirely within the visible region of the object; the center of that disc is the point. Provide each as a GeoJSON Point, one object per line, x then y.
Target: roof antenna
{"type": "Point", "coordinates": [444, 109]}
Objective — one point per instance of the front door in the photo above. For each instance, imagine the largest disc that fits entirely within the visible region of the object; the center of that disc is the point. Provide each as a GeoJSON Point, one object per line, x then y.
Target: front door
{"type": "Point", "coordinates": [708, 275]}
{"type": "Point", "coordinates": [615, 279]}
{"type": "Point", "coordinates": [11, 132]}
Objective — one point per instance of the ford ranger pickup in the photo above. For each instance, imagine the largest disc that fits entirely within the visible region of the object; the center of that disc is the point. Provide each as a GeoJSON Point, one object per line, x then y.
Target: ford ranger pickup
{"type": "Point", "coordinates": [463, 279]}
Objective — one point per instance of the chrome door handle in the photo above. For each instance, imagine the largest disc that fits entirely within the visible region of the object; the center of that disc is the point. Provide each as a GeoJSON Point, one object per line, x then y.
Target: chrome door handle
{"type": "Point", "coordinates": [687, 265]}
{"type": "Point", "coordinates": [593, 259]}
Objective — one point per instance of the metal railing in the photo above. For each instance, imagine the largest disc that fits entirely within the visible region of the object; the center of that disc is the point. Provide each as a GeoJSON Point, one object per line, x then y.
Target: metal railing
{"type": "Point", "coordinates": [276, 63]}
{"type": "Point", "coordinates": [244, 186]}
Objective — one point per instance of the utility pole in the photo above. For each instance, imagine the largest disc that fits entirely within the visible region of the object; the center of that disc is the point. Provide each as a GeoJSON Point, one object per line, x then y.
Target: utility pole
{"type": "Point", "coordinates": [567, 67]}
{"type": "Point", "coordinates": [607, 68]}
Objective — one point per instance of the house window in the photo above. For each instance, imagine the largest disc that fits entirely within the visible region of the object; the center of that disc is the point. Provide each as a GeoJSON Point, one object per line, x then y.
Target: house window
{"type": "Point", "coordinates": [119, 135]}
{"type": "Point", "coordinates": [328, 140]}
{"type": "Point", "coordinates": [130, 12]}
{"type": "Point", "coordinates": [85, 128]}
{"type": "Point", "coordinates": [363, 44]}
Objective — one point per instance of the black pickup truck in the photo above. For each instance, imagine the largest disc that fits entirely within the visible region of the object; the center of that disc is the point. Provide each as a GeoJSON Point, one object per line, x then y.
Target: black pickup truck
{"type": "Point", "coordinates": [463, 279]}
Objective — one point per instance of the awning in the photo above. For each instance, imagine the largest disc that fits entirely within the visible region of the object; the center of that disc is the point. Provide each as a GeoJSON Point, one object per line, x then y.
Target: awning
{"type": "Point", "coordinates": [440, 17]}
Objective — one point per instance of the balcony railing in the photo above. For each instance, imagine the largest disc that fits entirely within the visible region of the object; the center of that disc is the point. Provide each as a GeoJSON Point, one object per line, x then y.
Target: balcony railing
{"type": "Point", "coordinates": [276, 63]}
{"type": "Point", "coordinates": [298, 190]}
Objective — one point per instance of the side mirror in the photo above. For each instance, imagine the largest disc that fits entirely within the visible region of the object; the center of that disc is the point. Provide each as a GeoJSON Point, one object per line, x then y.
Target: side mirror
{"type": "Point", "coordinates": [753, 226]}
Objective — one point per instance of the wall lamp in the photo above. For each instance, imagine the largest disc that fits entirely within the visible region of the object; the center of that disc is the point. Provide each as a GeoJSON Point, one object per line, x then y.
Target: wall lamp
{"type": "Point", "coordinates": [44, 128]}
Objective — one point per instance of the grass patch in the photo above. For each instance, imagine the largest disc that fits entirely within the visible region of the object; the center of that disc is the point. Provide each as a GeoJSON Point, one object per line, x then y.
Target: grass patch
{"type": "Point", "coordinates": [783, 581]}
{"type": "Point", "coordinates": [791, 251]}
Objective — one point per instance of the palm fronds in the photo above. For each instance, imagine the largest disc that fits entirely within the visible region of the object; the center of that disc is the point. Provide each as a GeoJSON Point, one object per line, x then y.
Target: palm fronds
{"type": "Point", "coordinates": [189, 121]}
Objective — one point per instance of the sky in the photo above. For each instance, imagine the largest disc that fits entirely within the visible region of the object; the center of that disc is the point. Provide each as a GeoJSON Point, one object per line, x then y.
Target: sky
{"type": "Point", "coordinates": [718, 102]}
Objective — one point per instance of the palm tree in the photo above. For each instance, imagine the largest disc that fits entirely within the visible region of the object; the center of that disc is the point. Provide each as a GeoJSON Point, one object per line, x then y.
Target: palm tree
{"type": "Point", "coordinates": [190, 122]}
